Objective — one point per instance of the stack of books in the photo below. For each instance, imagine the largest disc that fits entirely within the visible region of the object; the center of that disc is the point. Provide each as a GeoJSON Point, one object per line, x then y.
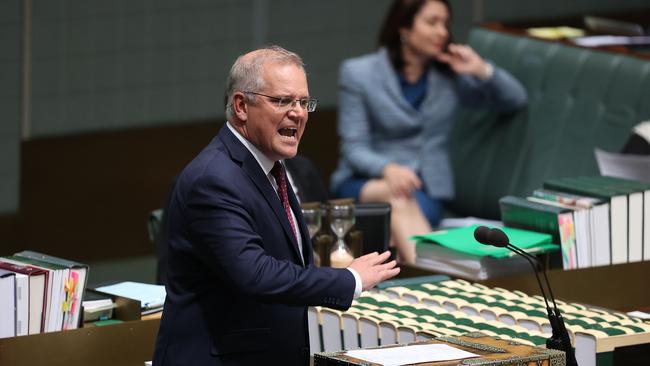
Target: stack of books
{"type": "Point", "coordinates": [598, 220]}
{"type": "Point", "coordinates": [40, 293]}
{"type": "Point", "coordinates": [455, 252]}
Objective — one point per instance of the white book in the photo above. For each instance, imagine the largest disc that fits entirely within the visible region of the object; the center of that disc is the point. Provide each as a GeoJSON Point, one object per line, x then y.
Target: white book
{"type": "Point", "coordinates": [59, 297]}
{"type": "Point", "coordinates": [350, 325]}
{"type": "Point", "coordinates": [635, 222]}
{"type": "Point", "coordinates": [618, 228]}
{"type": "Point", "coordinates": [56, 291]}
{"type": "Point", "coordinates": [331, 329]}
{"type": "Point", "coordinates": [7, 304]}
{"type": "Point", "coordinates": [601, 237]}
{"type": "Point", "coordinates": [646, 226]}
{"type": "Point", "coordinates": [22, 304]}
{"type": "Point", "coordinates": [315, 337]}
{"type": "Point", "coordinates": [75, 281]}
{"type": "Point", "coordinates": [582, 218]}
{"type": "Point", "coordinates": [36, 297]}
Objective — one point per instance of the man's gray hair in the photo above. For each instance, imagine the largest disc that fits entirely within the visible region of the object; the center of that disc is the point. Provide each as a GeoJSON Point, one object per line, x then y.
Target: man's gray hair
{"type": "Point", "coordinates": [245, 73]}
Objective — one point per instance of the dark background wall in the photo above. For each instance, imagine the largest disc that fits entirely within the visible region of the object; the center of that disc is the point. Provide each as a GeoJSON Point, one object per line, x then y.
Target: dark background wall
{"type": "Point", "coordinates": [103, 102]}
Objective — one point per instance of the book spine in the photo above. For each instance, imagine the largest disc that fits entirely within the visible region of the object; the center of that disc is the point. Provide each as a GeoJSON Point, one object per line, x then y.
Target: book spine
{"type": "Point", "coordinates": [523, 214]}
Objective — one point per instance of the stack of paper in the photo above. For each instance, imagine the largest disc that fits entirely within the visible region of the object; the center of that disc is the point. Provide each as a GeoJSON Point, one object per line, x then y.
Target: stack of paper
{"type": "Point", "coordinates": [455, 252]}
{"type": "Point", "coordinates": [151, 297]}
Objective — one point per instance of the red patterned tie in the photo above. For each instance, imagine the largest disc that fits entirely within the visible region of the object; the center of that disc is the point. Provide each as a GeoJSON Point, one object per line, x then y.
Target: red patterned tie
{"type": "Point", "coordinates": [281, 180]}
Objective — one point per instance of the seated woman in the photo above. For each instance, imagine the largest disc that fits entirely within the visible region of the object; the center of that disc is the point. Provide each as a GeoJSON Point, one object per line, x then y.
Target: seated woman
{"type": "Point", "coordinates": [396, 108]}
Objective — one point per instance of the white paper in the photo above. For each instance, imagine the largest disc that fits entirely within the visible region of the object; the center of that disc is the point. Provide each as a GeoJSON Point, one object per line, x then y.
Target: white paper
{"type": "Point", "coordinates": [599, 41]}
{"type": "Point", "coordinates": [466, 221]}
{"type": "Point", "coordinates": [394, 356]}
{"type": "Point", "coordinates": [639, 314]}
{"type": "Point", "coordinates": [628, 166]}
{"type": "Point", "coordinates": [150, 296]}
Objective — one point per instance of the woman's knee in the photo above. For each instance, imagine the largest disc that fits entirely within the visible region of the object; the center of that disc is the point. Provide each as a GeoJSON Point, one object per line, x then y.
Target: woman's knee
{"type": "Point", "coordinates": [375, 190]}
{"type": "Point", "coordinates": [431, 208]}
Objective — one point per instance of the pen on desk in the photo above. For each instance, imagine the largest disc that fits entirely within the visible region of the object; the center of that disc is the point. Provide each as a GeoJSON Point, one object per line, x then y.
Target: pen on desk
{"type": "Point", "coordinates": [154, 304]}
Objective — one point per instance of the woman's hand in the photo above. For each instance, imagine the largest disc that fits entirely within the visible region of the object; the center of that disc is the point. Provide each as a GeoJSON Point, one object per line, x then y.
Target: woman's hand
{"type": "Point", "coordinates": [464, 60]}
{"type": "Point", "coordinates": [401, 180]}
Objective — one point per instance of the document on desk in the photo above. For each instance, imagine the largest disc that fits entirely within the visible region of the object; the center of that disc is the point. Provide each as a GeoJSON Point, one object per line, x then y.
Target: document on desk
{"type": "Point", "coordinates": [394, 356]}
{"type": "Point", "coordinates": [150, 296]}
{"type": "Point", "coordinates": [600, 41]}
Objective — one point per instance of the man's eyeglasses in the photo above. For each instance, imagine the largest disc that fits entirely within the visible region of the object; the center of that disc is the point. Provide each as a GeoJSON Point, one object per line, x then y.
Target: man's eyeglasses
{"type": "Point", "coordinates": [309, 104]}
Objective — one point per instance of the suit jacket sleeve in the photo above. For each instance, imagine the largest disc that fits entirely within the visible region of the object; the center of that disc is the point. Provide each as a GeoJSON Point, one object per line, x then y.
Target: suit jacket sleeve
{"type": "Point", "coordinates": [354, 122]}
{"type": "Point", "coordinates": [241, 248]}
{"type": "Point", "coordinates": [501, 92]}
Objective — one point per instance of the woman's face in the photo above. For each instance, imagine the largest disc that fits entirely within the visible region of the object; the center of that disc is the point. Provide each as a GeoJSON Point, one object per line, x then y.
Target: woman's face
{"type": "Point", "coordinates": [429, 34]}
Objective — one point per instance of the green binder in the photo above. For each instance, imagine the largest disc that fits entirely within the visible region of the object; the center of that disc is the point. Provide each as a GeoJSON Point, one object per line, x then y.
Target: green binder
{"type": "Point", "coordinates": [462, 240]}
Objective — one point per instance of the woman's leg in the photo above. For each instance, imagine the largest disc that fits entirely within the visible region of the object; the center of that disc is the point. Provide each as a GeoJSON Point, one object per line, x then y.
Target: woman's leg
{"type": "Point", "coordinates": [406, 219]}
{"type": "Point", "coordinates": [432, 208]}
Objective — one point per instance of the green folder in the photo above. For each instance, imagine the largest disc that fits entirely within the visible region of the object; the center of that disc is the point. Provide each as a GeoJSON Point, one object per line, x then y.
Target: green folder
{"type": "Point", "coordinates": [462, 240]}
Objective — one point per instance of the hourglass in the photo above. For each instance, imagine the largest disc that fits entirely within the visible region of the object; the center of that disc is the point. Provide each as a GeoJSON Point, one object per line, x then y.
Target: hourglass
{"type": "Point", "coordinates": [341, 218]}
{"type": "Point", "coordinates": [312, 216]}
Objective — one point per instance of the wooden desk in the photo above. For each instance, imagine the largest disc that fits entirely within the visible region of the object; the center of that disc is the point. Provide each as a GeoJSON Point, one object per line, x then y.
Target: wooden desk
{"type": "Point", "coordinates": [641, 17]}
{"type": "Point", "coordinates": [128, 343]}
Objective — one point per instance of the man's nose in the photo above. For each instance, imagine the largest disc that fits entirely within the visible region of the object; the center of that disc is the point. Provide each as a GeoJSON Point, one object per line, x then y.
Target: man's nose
{"type": "Point", "coordinates": [296, 109]}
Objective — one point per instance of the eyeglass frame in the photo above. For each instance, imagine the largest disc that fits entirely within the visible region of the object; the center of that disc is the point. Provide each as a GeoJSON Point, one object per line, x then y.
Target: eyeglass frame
{"type": "Point", "coordinates": [290, 102]}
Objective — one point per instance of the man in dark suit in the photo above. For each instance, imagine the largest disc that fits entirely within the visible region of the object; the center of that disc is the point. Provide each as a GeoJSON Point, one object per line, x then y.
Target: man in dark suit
{"type": "Point", "coordinates": [240, 269]}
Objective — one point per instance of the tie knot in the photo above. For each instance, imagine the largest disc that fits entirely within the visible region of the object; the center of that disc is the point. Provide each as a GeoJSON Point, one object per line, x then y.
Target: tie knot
{"type": "Point", "coordinates": [278, 172]}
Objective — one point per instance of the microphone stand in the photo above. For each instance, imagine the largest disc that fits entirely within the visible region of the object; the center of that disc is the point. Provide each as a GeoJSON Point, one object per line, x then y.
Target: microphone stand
{"type": "Point", "coordinates": [559, 339]}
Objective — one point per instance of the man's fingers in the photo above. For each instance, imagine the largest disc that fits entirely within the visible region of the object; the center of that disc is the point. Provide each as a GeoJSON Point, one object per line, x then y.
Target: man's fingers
{"type": "Point", "coordinates": [389, 274]}
{"type": "Point", "coordinates": [381, 258]}
{"type": "Point", "coordinates": [368, 256]}
{"type": "Point", "coordinates": [387, 266]}
{"type": "Point", "coordinates": [374, 258]}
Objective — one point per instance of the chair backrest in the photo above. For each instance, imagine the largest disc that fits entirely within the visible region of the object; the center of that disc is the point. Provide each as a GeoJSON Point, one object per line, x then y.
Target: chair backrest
{"type": "Point", "coordinates": [373, 219]}
{"type": "Point", "coordinates": [153, 224]}
{"type": "Point", "coordinates": [579, 99]}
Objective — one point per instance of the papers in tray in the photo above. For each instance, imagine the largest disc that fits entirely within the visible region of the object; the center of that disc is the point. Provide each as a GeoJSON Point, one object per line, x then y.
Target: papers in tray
{"type": "Point", "coordinates": [474, 268]}
{"type": "Point", "coordinates": [151, 297]}
{"type": "Point", "coordinates": [449, 222]}
{"type": "Point", "coordinates": [600, 41]}
{"type": "Point", "coordinates": [394, 356]}
{"type": "Point", "coordinates": [455, 252]}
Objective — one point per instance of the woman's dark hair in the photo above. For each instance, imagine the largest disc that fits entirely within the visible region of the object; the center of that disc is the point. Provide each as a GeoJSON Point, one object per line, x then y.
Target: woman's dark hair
{"type": "Point", "coordinates": [401, 15]}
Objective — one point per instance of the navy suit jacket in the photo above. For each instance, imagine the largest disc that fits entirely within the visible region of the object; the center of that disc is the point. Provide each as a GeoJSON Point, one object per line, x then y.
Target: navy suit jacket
{"type": "Point", "coordinates": [237, 290]}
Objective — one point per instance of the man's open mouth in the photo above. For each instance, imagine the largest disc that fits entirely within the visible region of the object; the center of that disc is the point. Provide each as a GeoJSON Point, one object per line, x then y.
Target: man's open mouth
{"type": "Point", "coordinates": [289, 132]}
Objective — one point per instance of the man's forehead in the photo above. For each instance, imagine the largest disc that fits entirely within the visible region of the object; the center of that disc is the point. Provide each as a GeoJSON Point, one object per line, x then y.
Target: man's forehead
{"type": "Point", "coordinates": [283, 74]}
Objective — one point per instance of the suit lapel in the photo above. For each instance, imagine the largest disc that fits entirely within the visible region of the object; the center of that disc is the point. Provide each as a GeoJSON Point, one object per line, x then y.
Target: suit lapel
{"type": "Point", "coordinates": [248, 163]}
{"type": "Point", "coordinates": [391, 83]}
{"type": "Point", "coordinates": [304, 232]}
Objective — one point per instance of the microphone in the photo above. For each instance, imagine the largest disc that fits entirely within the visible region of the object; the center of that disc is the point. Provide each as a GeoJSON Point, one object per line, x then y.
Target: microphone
{"type": "Point", "coordinates": [559, 339]}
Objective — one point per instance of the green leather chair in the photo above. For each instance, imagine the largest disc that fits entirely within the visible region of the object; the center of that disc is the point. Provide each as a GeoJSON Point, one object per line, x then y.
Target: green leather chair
{"type": "Point", "coordinates": [579, 99]}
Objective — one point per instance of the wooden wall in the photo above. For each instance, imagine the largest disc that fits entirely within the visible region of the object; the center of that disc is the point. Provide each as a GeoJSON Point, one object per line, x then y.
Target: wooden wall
{"type": "Point", "coordinates": [87, 196]}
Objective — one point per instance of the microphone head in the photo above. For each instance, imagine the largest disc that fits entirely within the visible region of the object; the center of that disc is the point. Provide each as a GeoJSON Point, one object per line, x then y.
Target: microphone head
{"type": "Point", "coordinates": [480, 234]}
{"type": "Point", "coordinates": [497, 238]}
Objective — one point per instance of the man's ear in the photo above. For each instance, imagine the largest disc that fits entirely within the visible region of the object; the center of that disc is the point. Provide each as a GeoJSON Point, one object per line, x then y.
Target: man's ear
{"type": "Point", "coordinates": [239, 106]}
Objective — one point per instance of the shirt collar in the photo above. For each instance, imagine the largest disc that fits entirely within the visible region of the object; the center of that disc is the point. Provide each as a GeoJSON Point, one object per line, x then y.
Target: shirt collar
{"type": "Point", "coordinates": [265, 163]}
